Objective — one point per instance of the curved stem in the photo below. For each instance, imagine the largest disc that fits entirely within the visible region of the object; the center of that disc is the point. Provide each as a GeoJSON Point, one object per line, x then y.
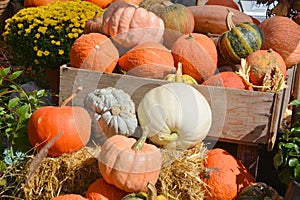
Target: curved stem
{"type": "Point", "coordinates": [138, 145]}
{"type": "Point", "coordinates": [178, 75]}
{"type": "Point", "coordinates": [170, 138]}
{"type": "Point", "coordinates": [95, 16]}
{"type": "Point", "coordinates": [229, 22]}
{"type": "Point", "coordinates": [152, 192]}
{"type": "Point", "coordinates": [64, 103]}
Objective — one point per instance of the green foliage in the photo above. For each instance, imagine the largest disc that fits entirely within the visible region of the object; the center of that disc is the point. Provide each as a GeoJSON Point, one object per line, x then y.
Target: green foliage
{"type": "Point", "coordinates": [287, 158]}
{"type": "Point", "coordinates": [42, 36]}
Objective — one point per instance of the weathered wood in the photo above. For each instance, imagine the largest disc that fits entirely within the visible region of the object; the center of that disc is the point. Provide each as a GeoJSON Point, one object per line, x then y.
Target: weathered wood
{"type": "Point", "coordinates": [295, 116]}
{"type": "Point", "coordinates": [239, 116]}
{"type": "Point", "coordinates": [249, 156]}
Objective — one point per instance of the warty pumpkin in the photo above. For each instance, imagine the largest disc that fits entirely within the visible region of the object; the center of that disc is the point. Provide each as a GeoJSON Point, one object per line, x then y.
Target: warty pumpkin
{"type": "Point", "coordinates": [94, 51]}
{"type": "Point", "coordinates": [198, 55]}
{"type": "Point", "coordinates": [149, 60]}
{"type": "Point", "coordinates": [259, 190]}
{"type": "Point", "coordinates": [129, 25]}
{"type": "Point", "coordinates": [179, 77]}
{"type": "Point", "coordinates": [69, 197]}
{"type": "Point", "coordinates": [239, 41]}
{"type": "Point", "coordinates": [101, 190]}
{"type": "Point", "coordinates": [175, 114]}
{"type": "Point", "coordinates": [68, 126]}
{"type": "Point", "coordinates": [113, 111]}
{"type": "Point", "coordinates": [282, 35]}
{"type": "Point", "coordinates": [211, 19]}
{"type": "Point", "coordinates": [226, 176]}
{"type": "Point", "coordinates": [129, 164]}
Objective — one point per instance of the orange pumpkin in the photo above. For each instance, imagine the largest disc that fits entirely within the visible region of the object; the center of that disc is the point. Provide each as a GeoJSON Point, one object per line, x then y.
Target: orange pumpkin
{"type": "Point", "coordinates": [129, 164]}
{"type": "Point", "coordinates": [69, 127]}
{"type": "Point", "coordinates": [101, 3]}
{"type": "Point", "coordinates": [69, 197]}
{"type": "Point", "coordinates": [150, 59]}
{"type": "Point", "coordinates": [36, 3]}
{"type": "Point", "coordinates": [282, 35]}
{"type": "Point", "coordinates": [198, 55]}
{"type": "Point", "coordinates": [129, 25]}
{"type": "Point", "coordinates": [101, 190]}
{"type": "Point", "coordinates": [226, 176]}
{"type": "Point", "coordinates": [94, 51]}
{"type": "Point", "coordinates": [135, 2]}
{"type": "Point", "coordinates": [228, 3]}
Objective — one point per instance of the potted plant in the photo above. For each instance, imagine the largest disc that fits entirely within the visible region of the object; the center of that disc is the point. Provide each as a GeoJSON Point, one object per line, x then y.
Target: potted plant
{"type": "Point", "coordinates": [287, 158]}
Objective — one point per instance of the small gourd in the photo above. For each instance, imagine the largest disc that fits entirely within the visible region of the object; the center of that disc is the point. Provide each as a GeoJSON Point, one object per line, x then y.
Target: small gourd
{"type": "Point", "coordinates": [179, 77]}
{"type": "Point", "coordinates": [150, 195]}
{"type": "Point", "coordinates": [259, 190]}
{"type": "Point", "coordinates": [113, 111]}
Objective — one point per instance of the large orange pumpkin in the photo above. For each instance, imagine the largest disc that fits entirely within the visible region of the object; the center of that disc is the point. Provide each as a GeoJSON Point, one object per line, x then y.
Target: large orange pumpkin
{"type": "Point", "coordinates": [129, 25]}
{"type": "Point", "coordinates": [198, 55]}
{"type": "Point", "coordinates": [150, 59]}
{"type": "Point", "coordinates": [226, 176]}
{"type": "Point", "coordinates": [228, 3]}
{"type": "Point", "coordinates": [101, 3]}
{"type": "Point", "coordinates": [69, 197]}
{"type": "Point", "coordinates": [101, 190]}
{"type": "Point", "coordinates": [94, 51]}
{"type": "Point", "coordinates": [36, 3]}
{"type": "Point", "coordinates": [68, 126]}
{"type": "Point", "coordinates": [282, 35]}
{"type": "Point", "coordinates": [129, 164]}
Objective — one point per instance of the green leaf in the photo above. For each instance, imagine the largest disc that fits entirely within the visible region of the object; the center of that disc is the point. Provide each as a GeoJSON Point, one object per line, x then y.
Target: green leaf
{"type": "Point", "coordinates": [295, 102]}
{"type": "Point", "coordinates": [296, 130]}
{"type": "Point", "coordinates": [291, 146]}
{"type": "Point", "coordinates": [13, 102]}
{"type": "Point", "coordinates": [14, 87]}
{"type": "Point", "coordinates": [2, 166]}
{"type": "Point", "coordinates": [4, 72]}
{"type": "Point", "coordinates": [293, 162]}
{"type": "Point", "coordinates": [297, 170]}
{"type": "Point", "coordinates": [40, 93]}
{"type": "Point", "coordinates": [15, 75]}
{"type": "Point", "coordinates": [278, 160]}
{"type": "Point", "coordinates": [22, 110]}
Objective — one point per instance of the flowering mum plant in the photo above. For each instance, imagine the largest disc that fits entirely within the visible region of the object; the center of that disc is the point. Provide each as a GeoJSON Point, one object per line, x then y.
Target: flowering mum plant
{"type": "Point", "coordinates": [42, 36]}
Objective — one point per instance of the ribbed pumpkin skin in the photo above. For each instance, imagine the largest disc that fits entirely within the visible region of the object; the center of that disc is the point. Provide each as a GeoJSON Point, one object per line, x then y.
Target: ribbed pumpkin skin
{"type": "Point", "coordinates": [94, 51]}
{"type": "Point", "coordinates": [198, 55]}
{"type": "Point", "coordinates": [283, 36]}
{"type": "Point", "coordinates": [228, 3]}
{"type": "Point", "coordinates": [239, 42]}
{"type": "Point", "coordinates": [69, 197]}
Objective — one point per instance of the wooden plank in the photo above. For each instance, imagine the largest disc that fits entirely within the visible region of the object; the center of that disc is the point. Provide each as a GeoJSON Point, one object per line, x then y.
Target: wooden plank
{"type": "Point", "coordinates": [249, 156]}
{"type": "Point", "coordinates": [239, 116]}
{"type": "Point", "coordinates": [295, 116]}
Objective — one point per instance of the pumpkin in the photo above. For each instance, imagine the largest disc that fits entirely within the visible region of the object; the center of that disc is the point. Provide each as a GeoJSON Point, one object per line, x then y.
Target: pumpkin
{"type": "Point", "coordinates": [93, 25]}
{"type": "Point", "coordinates": [150, 195]}
{"type": "Point", "coordinates": [166, 114]}
{"type": "Point", "coordinates": [226, 176]}
{"type": "Point", "coordinates": [101, 190]}
{"type": "Point", "coordinates": [227, 80]}
{"type": "Point", "coordinates": [228, 3]}
{"type": "Point", "coordinates": [94, 51]}
{"type": "Point", "coordinates": [259, 190]}
{"type": "Point", "coordinates": [198, 55]}
{"type": "Point", "coordinates": [135, 2]}
{"type": "Point", "coordinates": [239, 41]}
{"type": "Point", "coordinates": [149, 59]}
{"type": "Point", "coordinates": [36, 3]}
{"type": "Point", "coordinates": [185, 2]}
{"type": "Point", "coordinates": [103, 3]}
{"type": "Point", "coordinates": [296, 19]}
{"type": "Point", "coordinates": [69, 197]}
{"type": "Point", "coordinates": [283, 36]}
{"type": "Point", "coordinates": [69, 127]}
{"type": "Point", "coordinates": [129, 164]}
{"type": "Point", "coordinates": [179, 77]}
{"type": "Point", "coordinates": [113, 111]}
{"type": "Point", "coordinates": [129, 25]}
{"type": "Point", "coordinates": [266, 70]}
{"type": "Point", "coordinates": [211, 19]}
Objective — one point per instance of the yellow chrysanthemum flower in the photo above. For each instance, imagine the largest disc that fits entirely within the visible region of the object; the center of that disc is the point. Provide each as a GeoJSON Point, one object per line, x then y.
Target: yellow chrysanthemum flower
{"type": "Point", "coordinates": [60, 52]}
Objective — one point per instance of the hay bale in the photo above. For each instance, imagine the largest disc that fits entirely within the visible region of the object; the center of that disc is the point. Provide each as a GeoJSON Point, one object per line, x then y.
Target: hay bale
{"type": "Point", "coordinates": [69, 173]}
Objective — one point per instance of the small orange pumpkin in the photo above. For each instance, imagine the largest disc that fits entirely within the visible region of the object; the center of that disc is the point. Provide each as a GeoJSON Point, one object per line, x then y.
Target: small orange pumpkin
{"type": "Point", "coordinates": [101, 190]}
{"type": "Point", "coordinates": [94, 51]}
{"type": "Point", "coordinates": [129, 164]}
{"type": "Point", "coordinates": [69, 197]}
{"type": "Point", "coordinates": [198, 55]}
{"type": "Point", "coordinates": [226, 176]}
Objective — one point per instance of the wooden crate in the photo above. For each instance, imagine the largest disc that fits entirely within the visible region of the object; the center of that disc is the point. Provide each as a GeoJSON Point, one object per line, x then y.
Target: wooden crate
{"type": "Point", "coordinates": [239, 116]}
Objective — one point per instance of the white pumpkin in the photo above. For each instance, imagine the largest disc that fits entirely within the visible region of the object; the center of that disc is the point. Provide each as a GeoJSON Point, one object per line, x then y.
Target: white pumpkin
{"type": "Point", "coordinates": [175, 113]}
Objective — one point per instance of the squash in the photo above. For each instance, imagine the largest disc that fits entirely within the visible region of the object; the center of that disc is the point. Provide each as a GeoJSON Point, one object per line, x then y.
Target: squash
{"type": "Point", "coordinates": [68, 127]}
{"type": "Point", "coordinates": [228, 3]}
{"type": "Point", "coordinates": [101, 190]}
{"type": "Point", "coordinates": [264, 70]}
{"type": "Point", "coordinates": [227, 80]}
{"type": "Point", "coordinates": [129, 25]}
{"type": "Point", "coordinates": [198, 55]}
{"type": "Point", "coordinates": [93, 25]}
{"type": "Point", "coordinates": [179, 77]}
{"type": "Point", "coordinates": [94, 51]}
{"type": "Point", "coordinates": [149, 60]}
{"type": "Point", "coordinates": [283, 36]}
{"type": "Point", "coordinates": [150, 195]}
{"type": "Point", "coordinates": [113, 111]}
{"type": "Point", "coordinates": [69, 197]}
{"type": "Point", "coordinates": [259, 190]}
{"type": "Point", "coordinates": [211, 19]}
{"type": "Point", "coordinates": [129, 164]}
{"type": "Point", "coordinates": [103, 3]}
{"type": "Point", "coordinates": [36, 3]}
{"type": "Point", "coordinates": [166, 114]}
{"type": "Point", "coordinates": [239, 41]}
{"type": "Point", "coordinates": [226, 176]}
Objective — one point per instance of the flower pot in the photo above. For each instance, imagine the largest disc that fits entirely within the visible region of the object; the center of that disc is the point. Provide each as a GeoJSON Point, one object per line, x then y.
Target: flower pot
{"type": "Point", "coordinates": [293, 191]}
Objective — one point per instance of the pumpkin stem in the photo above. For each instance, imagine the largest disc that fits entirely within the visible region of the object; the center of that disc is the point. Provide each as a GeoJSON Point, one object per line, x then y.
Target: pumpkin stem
{"type": "Point", "coordinates": [229, 22]}
{"type": "Point", "coordinates": [170, 138]}
{"type": "Point", "coordinates": [178, 76]}
{"type": "Point", "coordinates": [95, 16]}
{"type": "Point", "coordinates": [138, 145]}
{"type": "Point", "coordinates": [152, 192]}
{"type": "Point", "coordinates": [71, 97]}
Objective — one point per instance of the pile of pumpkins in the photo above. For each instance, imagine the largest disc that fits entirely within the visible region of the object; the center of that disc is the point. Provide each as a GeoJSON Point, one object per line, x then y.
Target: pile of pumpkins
{"type": "Point", "coordinates": [165, 40]}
